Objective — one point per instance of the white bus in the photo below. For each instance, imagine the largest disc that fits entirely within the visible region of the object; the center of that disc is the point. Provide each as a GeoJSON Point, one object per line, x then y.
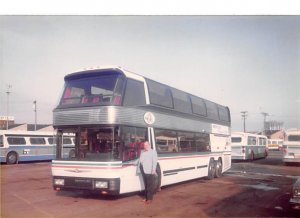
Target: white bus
{"type": "Point", "coordinates": [112, 111]}
{"type": "Point", "coordinates": [17, 145]}
{"type": "Point", "coordinates": [291, 146]}
{"type": "Point", "coordinates": [275, 144]}
{"type": "Point", "coordinates": [248, 146]}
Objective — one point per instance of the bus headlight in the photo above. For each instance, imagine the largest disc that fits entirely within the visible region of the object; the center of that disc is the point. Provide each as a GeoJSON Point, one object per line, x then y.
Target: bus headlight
{"type": "Point", "coordinates": [59, 182]}
{"type": "Point", "coordinates": [101, 184]}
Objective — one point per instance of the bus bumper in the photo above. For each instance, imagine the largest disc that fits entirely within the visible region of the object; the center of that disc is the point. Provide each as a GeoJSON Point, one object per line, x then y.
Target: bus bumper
{"type": "Point", "coordinates": [291, 159]}
{"type": "Point", "coordinates": [110, 186]}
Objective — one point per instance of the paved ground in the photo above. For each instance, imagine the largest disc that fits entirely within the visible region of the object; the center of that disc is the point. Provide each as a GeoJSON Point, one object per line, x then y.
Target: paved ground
{"type": "Point", "coordinates": [260, 188]}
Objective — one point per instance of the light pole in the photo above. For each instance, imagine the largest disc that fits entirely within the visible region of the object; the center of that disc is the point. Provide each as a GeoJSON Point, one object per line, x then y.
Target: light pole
{"type": "Point", "coordinates": [244, 115]}
{"type": "Point", "coordinates": [35, 114]}
{"type": "Point", "coordinates": [7, 104]}
{"type": "Point", "coordinates": [265, 116]}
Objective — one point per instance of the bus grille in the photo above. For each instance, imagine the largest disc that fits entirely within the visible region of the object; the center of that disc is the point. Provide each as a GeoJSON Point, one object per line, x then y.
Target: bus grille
{"type": "Point", "coordinates": [81, 183]}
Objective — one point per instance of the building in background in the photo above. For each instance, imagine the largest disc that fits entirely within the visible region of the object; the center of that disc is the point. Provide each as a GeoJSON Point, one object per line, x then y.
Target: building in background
{"type": "Point", "coordinates": [6, 119]}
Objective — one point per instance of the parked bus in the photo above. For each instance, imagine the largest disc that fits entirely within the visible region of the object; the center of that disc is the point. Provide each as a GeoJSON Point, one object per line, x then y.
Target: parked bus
{"type": "Point", "coordinates": [113, 111]}
{"type": "Point", "coordinates": [275, 144]}
{"type": "Point", "coordinates": [291, 146]}
{"type": "Point", "coordinates": [17, 145]}
{"type": "Point", "coordinates": [248, 146]}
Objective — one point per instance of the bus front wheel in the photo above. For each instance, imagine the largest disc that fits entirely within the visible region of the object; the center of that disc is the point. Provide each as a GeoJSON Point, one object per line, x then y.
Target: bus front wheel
{"type": "Point", "coordinates": [12, 158]}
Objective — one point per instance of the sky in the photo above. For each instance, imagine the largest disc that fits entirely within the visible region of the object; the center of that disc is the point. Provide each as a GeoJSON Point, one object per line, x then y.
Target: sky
{"type": "Point", "coordinates": [248, 63]}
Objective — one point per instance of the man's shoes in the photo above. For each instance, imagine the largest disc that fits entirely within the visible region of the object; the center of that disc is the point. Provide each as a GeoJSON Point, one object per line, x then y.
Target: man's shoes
{"type": "Point", "coordinates": [144, 200]}
{"type": "Point", "coordinates": [148, 202]}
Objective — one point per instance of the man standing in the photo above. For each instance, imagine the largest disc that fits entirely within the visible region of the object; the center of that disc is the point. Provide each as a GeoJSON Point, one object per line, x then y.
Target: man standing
{"type": "Point", "coordinates": [147, 163]}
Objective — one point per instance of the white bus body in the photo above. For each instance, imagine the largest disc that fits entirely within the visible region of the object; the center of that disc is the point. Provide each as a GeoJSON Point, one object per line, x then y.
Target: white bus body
{"type": "Point", "coordinates": [275, 144]}
{"type": "Point", "coordinates": [291, 146]}
{"type": "Point", "coordinates": [17, 145]}
{"type": "Point", "coordinates": [111, 120]}
{"type": "Point", "coordinates": [248, 146]}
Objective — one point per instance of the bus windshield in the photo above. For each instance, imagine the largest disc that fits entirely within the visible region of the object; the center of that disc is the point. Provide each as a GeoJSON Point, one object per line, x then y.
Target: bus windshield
{"type": "Point", "coordinates": [105, 144]}
{"type": "Point", "coordinates": [89, 91]}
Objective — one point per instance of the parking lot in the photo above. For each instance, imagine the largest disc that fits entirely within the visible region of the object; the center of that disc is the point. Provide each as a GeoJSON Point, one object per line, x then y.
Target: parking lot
{"type": "Point", "coordinates": [259, 188]}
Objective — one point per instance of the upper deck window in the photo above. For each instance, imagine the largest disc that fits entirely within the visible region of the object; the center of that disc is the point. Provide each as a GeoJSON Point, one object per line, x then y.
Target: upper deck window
{"type": "Point", "coordinates": [212, 110]}
{"type": "Point", "coordinates": [159, 94]}
{"type": "Point", "coordinates": [96, 90]}
{"type": "Point", "coordinates": [223, 113]}
{"type": "Point", "coordinates": [181, 100]}
{"type": "Point", "coordinates": [134, 93]}
{"type": "Point", "coordinates": [198, 106]}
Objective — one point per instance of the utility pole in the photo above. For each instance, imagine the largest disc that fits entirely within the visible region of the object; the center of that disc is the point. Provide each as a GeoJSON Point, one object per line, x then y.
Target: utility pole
{"type": "Point", "coordinates": [35, 114]}
{"type": "Point", "coordinates": [265, 117]}
{"type": "Point", "coordinates": [244, 115]}
{"type": "Point", "coordinates": [7, 104]}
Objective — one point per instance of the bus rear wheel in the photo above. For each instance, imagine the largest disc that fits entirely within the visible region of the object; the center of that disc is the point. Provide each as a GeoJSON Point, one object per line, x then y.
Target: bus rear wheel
{"type": "Point", "coordinates": [12, 158]}
{"type": "Point", "coordinates": [218, 171]}
{"type": "Point", "coordinates": [211, 169]}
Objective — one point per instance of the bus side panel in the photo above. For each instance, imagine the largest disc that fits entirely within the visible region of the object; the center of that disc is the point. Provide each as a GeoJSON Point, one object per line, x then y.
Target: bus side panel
{"type": "Point", "coordinates": [183, 168]}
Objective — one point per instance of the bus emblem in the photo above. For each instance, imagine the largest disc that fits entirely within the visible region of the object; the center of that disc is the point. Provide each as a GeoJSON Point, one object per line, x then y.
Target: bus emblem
{"type": "Point", "coordinates": [149, 118]}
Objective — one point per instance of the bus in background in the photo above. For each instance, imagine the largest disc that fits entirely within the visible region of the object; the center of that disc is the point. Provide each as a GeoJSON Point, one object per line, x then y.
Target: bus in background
{"type": "Point", "coordinates": [248, 146]}
{"type": "Point", "coordinates": [275, 144]}
{"type": "Point", "coordinates": [113, 111]}
{"type": "Point", "coordinates": [17, 145]}
{"type": "Point", "coordinates": [291, 146]}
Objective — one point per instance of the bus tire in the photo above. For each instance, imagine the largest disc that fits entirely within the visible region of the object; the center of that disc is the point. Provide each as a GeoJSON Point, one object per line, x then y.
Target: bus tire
{"type": "Point", "coordinates": [157, 179]}
{"type": "Point", "coordinates": [211, 169]}
{"type": "Point", "coordinates": [219, 168]}
{"type": "Point", "coordinates": [12, 158]}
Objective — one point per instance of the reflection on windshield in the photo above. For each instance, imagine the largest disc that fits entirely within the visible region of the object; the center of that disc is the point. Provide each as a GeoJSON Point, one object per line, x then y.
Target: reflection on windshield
{"type": "Point", "coordinates": [110, 144]}
{"type": "Point", "coordinates": [101, 90]}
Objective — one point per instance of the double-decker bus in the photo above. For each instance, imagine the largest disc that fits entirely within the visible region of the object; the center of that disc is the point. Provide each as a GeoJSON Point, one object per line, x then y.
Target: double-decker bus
{"type": "Point", "coordinates": [291, 146]}
{"type": "Point", "coordinates": [113, 111]}
{"type": "Point", "coordinates": [248, 146]}
{"type": "Point", "coordinates": [18, 145]}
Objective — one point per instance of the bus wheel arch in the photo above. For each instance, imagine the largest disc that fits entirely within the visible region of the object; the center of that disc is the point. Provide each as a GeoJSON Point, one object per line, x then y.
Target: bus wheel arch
{"type": "Point", "coordinates": [12, 157]}
{"type": "Point", "coordinates": [219, 168]}
{"type": "Point", "coordinates": [211, 169]}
